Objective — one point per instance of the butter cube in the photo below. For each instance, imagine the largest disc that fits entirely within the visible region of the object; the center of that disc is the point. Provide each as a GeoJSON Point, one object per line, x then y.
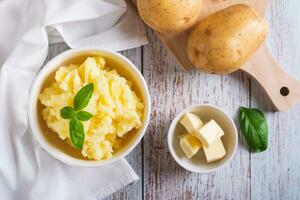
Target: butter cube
{"type": "Point", "coordinates": [191, 122]}
{"type": "Point", "coordinates": [208, 133]}
{"type": "Point", "coordinates": [190, 145]}
{"type": "Point", "coordinates": [215, 151]}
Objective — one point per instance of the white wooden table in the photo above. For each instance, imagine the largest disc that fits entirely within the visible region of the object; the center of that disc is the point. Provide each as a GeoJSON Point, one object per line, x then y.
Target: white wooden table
{"type": "Point", "coordinates": [274, 174]}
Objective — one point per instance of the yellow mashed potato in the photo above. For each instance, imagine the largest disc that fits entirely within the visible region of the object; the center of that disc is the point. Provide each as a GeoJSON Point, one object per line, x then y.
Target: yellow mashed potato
{"type": "Point", "coordinates": [115, 106]}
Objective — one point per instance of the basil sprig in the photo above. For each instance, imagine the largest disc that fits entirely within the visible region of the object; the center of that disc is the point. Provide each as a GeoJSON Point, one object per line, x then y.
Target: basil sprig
{"type": "Point", "coordinates": [76, 132]}
{"type": "Point", "coordinates": [84, 116]}
{"type": "Point", "coordinates": [76, 114]}
{"type": "Point", "coordinates": [67, 112]}
{"type": "Point", "coordinates": [254, 128]}
{"type": "Point", "coordinates": [83, 96]}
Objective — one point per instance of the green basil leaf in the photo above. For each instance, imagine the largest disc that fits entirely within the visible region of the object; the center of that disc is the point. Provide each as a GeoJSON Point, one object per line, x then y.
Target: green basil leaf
{"type": "Point", "coordinates": [67, 112]}
{"type": "Point", "coordinates": [254, 128]}
{"type": "Point", "coordinates": [84, 116]}
{"type": "Point", "coordinates": [83, 96]}
{"type": "Point", "coordinates": [76, 133]}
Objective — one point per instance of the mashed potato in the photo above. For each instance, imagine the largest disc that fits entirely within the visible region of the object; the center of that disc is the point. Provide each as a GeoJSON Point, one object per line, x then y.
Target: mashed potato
{"type": "Point", "coordinates": [115, 106]}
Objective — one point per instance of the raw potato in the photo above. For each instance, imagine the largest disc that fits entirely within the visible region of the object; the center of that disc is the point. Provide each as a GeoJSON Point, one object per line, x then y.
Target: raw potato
{"type": "Point", "coordinates": [225, 40]}
{"type": "Point", "coordinates": [169, 16]}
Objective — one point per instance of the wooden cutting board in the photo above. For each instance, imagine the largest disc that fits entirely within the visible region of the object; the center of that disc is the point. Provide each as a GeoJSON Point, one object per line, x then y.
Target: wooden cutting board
{"type": "Point", "coordinates": [283, 90]}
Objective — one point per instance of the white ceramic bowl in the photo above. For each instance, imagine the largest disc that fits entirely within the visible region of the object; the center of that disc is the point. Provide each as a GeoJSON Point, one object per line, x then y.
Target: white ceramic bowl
{"type": "Point", "coordinates": [198, 162]}
{"type": "Point", "coordinates": [76, 56]}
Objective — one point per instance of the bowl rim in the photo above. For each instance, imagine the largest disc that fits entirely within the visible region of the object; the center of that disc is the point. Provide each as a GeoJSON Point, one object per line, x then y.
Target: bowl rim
{"type": "Point", "coordinates": [175, 121]}
{"type": "Point", "coordinates": [34, 92]}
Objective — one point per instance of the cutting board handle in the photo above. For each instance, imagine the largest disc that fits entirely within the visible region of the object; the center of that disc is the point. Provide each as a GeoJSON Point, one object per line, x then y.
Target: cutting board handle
{"type": "Point", "coordinates": [283, 90]}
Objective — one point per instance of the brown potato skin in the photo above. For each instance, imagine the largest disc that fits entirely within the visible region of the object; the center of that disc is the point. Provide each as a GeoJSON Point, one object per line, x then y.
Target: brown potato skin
{"type": "Point", "coordinates": [225, 40]}
{"type": "Point", "coordinates": [169, 16]}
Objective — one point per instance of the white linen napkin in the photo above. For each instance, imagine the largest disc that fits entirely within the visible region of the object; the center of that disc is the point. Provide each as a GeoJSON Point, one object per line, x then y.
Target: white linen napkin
{"type": "Point", "coordinates": [26, 170]}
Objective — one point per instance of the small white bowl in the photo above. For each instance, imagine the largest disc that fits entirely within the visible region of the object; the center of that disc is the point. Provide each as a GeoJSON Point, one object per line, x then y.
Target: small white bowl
{"type": "Point", "coordinates": [76, 56]}
{"type": "Point", "coordinates": [198, 162]}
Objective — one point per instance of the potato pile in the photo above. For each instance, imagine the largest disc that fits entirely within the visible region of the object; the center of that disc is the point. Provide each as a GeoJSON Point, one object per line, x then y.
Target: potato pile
{"type": "Point", "coordinates": [220, 43]}
{"type": "Point", "coordinates": [224, 41]}
{"type": "Point", "coordinates": [169, 16]}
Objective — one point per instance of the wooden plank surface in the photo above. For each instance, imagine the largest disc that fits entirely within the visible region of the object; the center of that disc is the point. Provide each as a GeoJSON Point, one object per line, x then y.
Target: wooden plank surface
{"type": "Point", "coordinates": [274, 174]}
{"type": "Point", "coordinates": [172, 90]}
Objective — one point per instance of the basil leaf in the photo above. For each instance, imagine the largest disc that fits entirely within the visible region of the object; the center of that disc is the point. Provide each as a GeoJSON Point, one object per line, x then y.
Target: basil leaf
{"type": "Point", "coordinates": [254, 127]}
{"type": "Point", "coordinates": [84, 116]}
{"type": "Point", "coordinates": [67, 112]}
{"type": "Point", "coordinates": [83, 96]}
{"type": "Point", "coordinates": [76, 133]}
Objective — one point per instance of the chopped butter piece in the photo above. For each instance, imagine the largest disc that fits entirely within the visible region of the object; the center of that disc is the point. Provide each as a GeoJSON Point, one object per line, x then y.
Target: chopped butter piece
{"type": "Point", "coordinates": [190, 145]}
{"type": "Point", "coordinates": [191, 122]}
{"type": "Point", "coordinates": [215, 151]}
{"type": "Point", "coordinates": [208, 133]}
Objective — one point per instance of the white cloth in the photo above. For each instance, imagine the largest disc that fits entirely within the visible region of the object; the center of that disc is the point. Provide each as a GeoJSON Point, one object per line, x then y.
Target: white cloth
{"type": "Point", "coordinates": [26, 170]}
